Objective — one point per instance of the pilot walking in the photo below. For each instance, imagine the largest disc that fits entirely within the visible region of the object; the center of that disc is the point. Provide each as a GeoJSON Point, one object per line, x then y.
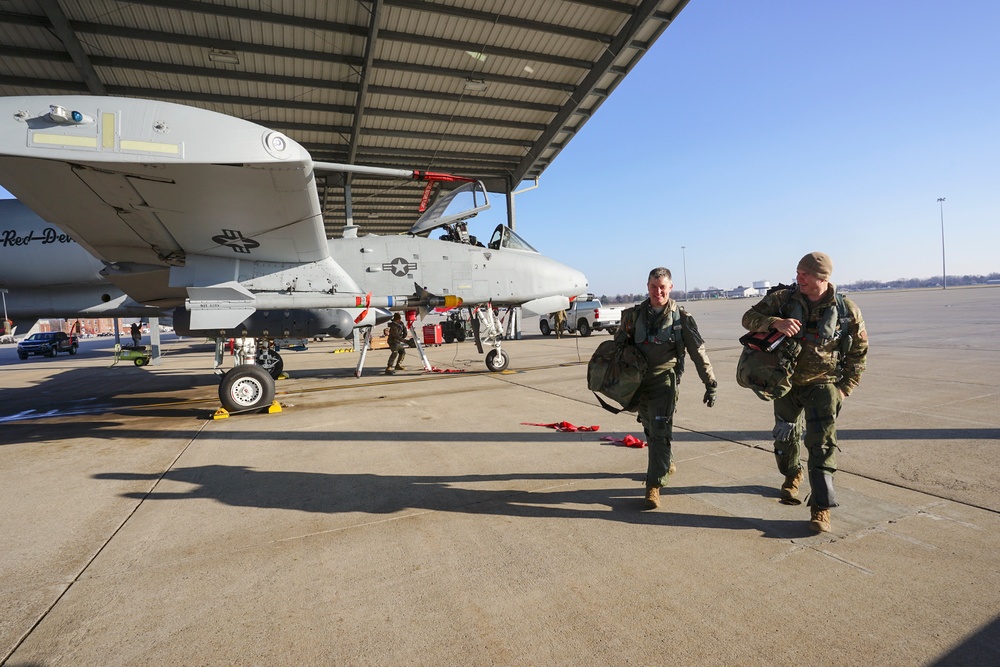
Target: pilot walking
{"type": "Point", "coordinates": [663, 332]}
{"type": "Point", "coordinates": [397, 345]}
{"type": "Point", "coordinates": [828, 369]}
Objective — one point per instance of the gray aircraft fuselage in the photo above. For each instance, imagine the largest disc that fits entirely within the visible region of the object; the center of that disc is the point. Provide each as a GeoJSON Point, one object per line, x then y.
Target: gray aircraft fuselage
{"type": "Point", "coordinates": [47, 274]}
{"type": "Point", "coordinates": [505, 276]}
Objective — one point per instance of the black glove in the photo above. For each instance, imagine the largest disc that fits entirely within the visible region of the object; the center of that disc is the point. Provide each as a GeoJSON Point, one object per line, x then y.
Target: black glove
{"type": "Point", "coordinates": [711, 393]}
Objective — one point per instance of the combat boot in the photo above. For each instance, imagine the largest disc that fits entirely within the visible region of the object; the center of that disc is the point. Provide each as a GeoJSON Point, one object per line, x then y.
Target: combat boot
{"type": "Point", "coordinates": [389, 371]}
{"type": "Point", "coordinates": [400, 367]}
{"type": "Point", "coordinates": [820, 521]}
{"type": "Point", "coordinates": [790, 487]}
{"type": "Point", "coordinates": [652, 497]}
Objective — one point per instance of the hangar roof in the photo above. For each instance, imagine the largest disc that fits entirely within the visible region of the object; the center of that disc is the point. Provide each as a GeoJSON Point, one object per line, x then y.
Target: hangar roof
{"type": "Point", "coordinates": [488, 89]}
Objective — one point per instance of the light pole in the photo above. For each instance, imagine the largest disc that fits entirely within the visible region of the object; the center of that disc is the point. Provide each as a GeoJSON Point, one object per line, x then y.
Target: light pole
{"type": "Point", "coordinates": [944, 272]}
{"type": "Point", "coordinates": [684, 259]}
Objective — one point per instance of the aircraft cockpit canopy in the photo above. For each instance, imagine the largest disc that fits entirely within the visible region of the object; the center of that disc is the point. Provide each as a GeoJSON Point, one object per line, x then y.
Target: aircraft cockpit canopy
{"type": "Point", "coordinates": [505, 237]}
{"type": "Point", "coordinates": [456, 206]}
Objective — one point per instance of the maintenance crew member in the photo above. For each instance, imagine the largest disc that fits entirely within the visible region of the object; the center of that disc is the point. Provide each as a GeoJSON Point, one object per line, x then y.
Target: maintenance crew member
{"type": "Point", "coordinates": [136, 334]}
{"type": "Point", "coordinates": [662, 331]}
{"type": "Point", "coordinates": [560, 322]}
{"type": "Point", "coordinates": [829, 367]}
{"type": "Point", "coordinates": [397, 345]}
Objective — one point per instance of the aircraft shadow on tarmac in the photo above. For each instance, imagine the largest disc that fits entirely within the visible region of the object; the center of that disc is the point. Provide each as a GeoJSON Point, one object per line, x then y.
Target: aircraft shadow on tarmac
{"type": "Point", "coordinates": [336, 493]}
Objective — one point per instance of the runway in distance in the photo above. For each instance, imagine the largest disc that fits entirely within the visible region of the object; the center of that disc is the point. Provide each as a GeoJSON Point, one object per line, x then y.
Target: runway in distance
{"type": "Point", "coordinates": [216, 222]}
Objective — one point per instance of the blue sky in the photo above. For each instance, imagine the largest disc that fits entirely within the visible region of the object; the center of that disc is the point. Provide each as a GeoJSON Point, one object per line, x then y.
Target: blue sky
{"type": "Point", "coordinates": [754, 132]}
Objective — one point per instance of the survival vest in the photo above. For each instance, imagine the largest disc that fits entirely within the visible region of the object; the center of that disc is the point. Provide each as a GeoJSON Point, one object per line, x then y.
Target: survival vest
{"type": "Point", "coordinates": [768, 359]}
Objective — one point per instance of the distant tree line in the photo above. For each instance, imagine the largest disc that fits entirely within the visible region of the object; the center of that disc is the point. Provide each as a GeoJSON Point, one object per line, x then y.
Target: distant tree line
{"type": "Point", "coordinates": [909, 283]}
{"type": "Point", "coordinates": [901, 283]}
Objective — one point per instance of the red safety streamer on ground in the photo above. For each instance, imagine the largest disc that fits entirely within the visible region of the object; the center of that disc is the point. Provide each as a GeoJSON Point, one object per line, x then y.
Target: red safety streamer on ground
{"type": "Point", "coordinates": [628, 441]}
{"type": "Point", "coordinates": [435, 369]}
{"type": "Point", "coordinates": [565, 427]}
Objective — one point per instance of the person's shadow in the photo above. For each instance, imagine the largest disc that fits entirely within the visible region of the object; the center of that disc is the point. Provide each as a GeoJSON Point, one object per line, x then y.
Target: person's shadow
{"type": "Point", "coordinates": [333, 493]}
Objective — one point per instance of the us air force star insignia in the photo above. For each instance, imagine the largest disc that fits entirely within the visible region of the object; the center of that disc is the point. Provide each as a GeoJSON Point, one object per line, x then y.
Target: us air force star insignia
{"type": "Point", "coordinates": [235, 240]}
{"type": "Point", "coordinates": [399, 267]}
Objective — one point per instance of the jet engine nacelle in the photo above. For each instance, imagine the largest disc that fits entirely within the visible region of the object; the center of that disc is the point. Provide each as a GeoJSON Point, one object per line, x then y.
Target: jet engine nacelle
{"type": "Point", "coordinates": [334, 322]}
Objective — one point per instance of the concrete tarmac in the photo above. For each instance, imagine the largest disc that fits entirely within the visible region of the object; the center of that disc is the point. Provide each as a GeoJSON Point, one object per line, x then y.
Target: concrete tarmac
{"type": "Point", "coordinates": [414, 519]}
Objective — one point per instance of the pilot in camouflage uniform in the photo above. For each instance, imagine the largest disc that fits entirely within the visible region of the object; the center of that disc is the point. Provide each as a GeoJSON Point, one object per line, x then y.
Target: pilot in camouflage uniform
{"type": "Point", "coordinates": [662, 331]}
{"type": "Point", "coordinates": [828, 369]}
{"type": "Point", "coordinates": [397, 345]}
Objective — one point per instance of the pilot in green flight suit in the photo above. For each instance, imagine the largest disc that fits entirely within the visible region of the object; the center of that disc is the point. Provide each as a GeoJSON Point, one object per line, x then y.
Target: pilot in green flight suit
{"type": "Point", "coordinates": [663, 331]}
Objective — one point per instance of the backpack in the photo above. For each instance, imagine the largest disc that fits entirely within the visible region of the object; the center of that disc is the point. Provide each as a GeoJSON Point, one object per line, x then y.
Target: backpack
{"type": "Point", "coordinates": [767, 363]}
{"type": "Point", "coordinates": [768, 359]}
{"type": "Point", "coordinates": [616, 371]}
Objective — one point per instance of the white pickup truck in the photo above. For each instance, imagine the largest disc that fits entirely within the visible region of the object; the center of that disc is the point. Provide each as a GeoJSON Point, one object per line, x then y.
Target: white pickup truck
{"type": "Point", "coordinates": [585, 317]}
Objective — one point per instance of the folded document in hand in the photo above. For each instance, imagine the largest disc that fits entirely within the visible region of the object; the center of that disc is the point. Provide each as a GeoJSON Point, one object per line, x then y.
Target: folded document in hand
{"type": "Point", "coordinates": [763, 341]}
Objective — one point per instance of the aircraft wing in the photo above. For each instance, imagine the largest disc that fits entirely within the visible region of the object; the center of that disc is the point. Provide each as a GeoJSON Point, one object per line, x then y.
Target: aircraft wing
{"type": "Point", "coordinates": [148, 183]}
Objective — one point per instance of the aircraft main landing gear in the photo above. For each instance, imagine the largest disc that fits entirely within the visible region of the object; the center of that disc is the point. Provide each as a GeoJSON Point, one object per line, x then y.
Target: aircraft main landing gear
{"type": "Point", "coordinates": [249, 385]}
{"type": "Point", "coordinates": [246, 387]}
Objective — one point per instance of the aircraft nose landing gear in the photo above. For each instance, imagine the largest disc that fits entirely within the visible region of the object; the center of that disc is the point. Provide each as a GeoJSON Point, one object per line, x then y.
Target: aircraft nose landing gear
{"type": "Point", "coordinates": [487, 328]}
{"type": "Point", "coordinates": [497, 360]}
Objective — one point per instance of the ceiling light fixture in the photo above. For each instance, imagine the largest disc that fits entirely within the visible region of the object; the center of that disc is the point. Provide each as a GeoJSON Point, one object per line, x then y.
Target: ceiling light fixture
{"type": "Point", "coordinates": [477, 85]}
{"type": "Point", "coordinates": [223, 57]}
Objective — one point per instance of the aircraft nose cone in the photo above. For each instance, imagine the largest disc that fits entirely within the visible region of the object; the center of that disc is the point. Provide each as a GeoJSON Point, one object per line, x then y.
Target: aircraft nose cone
{"type": "Point", "coordinates": [570, 281]}
{"type": "Point", "coordinates": [581, 284]}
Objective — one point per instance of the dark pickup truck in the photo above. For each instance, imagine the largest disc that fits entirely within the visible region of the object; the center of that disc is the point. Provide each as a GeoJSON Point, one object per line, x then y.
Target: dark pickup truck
{"type": "Point", "coordinates": [49, 343]}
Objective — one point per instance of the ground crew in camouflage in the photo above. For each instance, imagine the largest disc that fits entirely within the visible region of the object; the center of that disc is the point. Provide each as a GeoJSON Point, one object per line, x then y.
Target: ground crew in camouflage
{"type": "Point", "coordinates": [397, 344]}
{"type": "Point", "coordinates": [828, 369]}
{"type": "Point", "coordinates": [560, 322]}
{"type": "Point", "coordinates": [663, 331]}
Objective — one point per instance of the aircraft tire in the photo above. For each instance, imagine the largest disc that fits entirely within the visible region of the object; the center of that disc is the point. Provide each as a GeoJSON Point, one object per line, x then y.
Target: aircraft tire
{"type": "Point", "coordinates": [246, 387]}
{"type": "Point", "coordinates": [584, 328]}
{"type": "Point", "coordinates": [544, 327]}
{"type": "Point", "coordinates": [497, 361]}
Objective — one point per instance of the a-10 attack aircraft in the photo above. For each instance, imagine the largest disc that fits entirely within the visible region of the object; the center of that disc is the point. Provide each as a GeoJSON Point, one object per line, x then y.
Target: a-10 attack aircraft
{"type": "Point", "coordinates": [216, 221]}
